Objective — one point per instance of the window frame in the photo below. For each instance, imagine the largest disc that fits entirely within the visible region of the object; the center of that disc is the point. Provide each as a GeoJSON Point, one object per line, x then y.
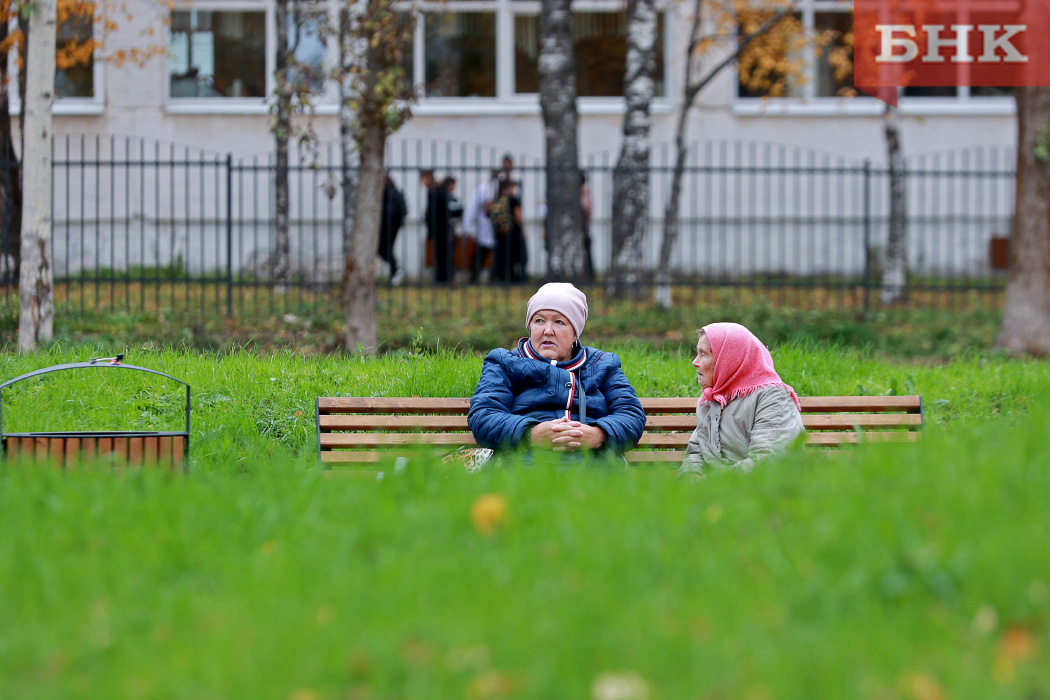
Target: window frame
{"type": "Point", "coordinates": [506, 100]}
{"type": "Point", "coordinates": [226, 105]}
{"type": "Point", "coordinates": [71, 106]}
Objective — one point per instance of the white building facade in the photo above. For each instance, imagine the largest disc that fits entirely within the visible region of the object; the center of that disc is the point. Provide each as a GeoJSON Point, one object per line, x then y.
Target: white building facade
{"type": "Point", "coordinates": [475, 66]}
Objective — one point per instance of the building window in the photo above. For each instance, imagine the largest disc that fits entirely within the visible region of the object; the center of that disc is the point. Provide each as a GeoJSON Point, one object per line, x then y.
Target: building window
{"type": "Point", "coordinates": [460, 53]}
{"type": "Point", "coordinates": [834, 67]}
{"type": "Point", "coordinates": [490, 48]}
{"type": "Point", "coordinates": [75, 57]}
{"type": "Point", "coordinates": [217, 54]}
{"type": "Point", "coordinates": [777, 63]}
{"type": "Point", "coordinates": [600, 45]}
{"type": "Point", "coordinates": [308, 49]}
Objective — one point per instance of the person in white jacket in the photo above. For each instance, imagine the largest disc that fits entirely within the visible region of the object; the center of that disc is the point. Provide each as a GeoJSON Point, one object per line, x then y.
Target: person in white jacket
{"type": "Point", "coordinates": [745, 412]}
{"type": "Point", "coordinates": [477, 225]}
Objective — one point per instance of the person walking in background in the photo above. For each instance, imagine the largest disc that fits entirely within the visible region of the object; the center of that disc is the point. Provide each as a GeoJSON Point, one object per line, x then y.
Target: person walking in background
{"type": "Point", "coordinates": [394, 212]}
{"type": "Point", "coordinates": [506, 171]}
{"type": "Point", "coordinates": [439, 237]}
{"type": "Point", "coordinates": [586, 207]}
{"type": "Point", "coordinates": [510, 255]}
{"type": "Point", "coordinates": [455, 222]}
{"type": "Point", "coordinates": [455, 207]}
{"type": "Point", "coordinates": [478, 225]}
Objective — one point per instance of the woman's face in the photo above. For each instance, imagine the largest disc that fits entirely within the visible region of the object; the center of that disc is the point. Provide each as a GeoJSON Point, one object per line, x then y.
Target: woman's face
{"type": "Point", "coordinates": [704, 362]}
{"type": "Point", "coordinates": [551, 335]}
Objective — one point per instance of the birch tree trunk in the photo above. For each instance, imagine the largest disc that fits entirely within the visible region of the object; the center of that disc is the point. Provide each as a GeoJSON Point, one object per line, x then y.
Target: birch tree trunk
{"type": "Point", "coordinates": [348, 175]}
{"type": "Point", "coordinates": [1026, 314]}
{"type": "Point", "coordinates": [10, 182]}
{"type": "Point", "coordinates": [557, 73]}
{"type": "Point", "coordinates": [670, 238]}
{"type": "Point", "coordinates": [374, 95]}
{"type": "Point", "coordinates": [630, 215]}
{"type": "Point", "coordinates": [895, 262]}
{"type": "Point", "coordinates": [279, 260]}
{"type": "Point", "coordinates": [359, 287]}
{"type": "Point", "coordinates": [35, 285]}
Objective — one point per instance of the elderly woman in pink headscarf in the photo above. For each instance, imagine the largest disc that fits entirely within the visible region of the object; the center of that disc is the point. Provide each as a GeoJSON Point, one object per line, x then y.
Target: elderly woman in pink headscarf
{"type": "Point", "coordinates": [745, 412]}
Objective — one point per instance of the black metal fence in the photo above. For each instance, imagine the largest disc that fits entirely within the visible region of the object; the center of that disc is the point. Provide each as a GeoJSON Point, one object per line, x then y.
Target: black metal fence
{"type": "Point", "coordinates": [141, 225]}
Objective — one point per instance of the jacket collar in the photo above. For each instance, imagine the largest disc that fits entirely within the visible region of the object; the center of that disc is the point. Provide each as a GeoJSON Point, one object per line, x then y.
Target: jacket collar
{"type": "Point", "coordinates": [572, 364]}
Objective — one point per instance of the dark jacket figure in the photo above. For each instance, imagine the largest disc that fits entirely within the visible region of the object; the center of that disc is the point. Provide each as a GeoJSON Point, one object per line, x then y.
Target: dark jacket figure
{"type": "Point", "coordinates": [586, 209]}
{"type": "Point", "coordinates": [511, 255]}
{"type": "Point", "coordinates": [551, 391]}
{"type": "Point", "coordinates": [515, 392]}
{"type": "Point", "coordinates": [394, 212]}
{"type": "Point", "coordinates": [439, 229]}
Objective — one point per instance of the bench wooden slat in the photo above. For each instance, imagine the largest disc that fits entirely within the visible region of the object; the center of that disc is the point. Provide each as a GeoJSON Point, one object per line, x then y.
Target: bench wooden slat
{"type": "Point", "coordinates": [136, 445]}
{"type": "Point", "coordinates": [810, 404]}
{"type": "Point", "coordinates": [867, 404]}
{"type": "Point", "coordinates": [56, 450]}
{"type": "Point", "coordinates": [364, 422]}
{"type": "Point", "coordinates": [665, 439]}
{"type": "Point", "coordinates": [848, 421]}
{"type": "Point", "coordinates": [386, 439]}
{"type": "Point", "coordinates": [166, 453]}
{"type": "Point", "coordinates": [120, 449]}
{"type": "Point", "coordinates": [388, 404]}
{"type": "Point", "coordinates": [835, 439]}
{"type": "Point", "coordinates": [178, 450]}
{"type": "Point", "coordinates": [72, 452]}
{"type": "Point", "coordinates": [88, 449]}
{"type": "Point", "coordinates": [358, 456]}
{"type": "Point", "coordinates": [675, 404]}
{"type": "Point", "coordinates": [149, 451]}
{"type": "Point", "coordinates": [670, 440]}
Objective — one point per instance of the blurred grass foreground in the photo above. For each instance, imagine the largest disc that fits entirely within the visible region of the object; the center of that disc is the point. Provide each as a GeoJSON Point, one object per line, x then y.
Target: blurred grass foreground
{"type": "Point", "coordinates": [906, 571]}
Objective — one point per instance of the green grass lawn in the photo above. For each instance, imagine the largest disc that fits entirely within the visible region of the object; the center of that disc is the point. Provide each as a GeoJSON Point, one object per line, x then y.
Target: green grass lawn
{"type": "Point", "coordinates": [911, 572]}
{"type": "Point", "coordinates": [251, 410]}
{"type": "Point", "coordinates": [473, 319]}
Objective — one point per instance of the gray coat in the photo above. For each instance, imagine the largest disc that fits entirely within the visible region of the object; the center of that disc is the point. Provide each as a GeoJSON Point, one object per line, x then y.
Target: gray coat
{"type": "Point", "coordinates": [749, 428]}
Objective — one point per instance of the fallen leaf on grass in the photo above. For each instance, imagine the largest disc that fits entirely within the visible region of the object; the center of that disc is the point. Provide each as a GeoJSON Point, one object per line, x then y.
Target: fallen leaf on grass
{"type": "Point", "coordinates": [921, 686]}
{"type": "Point", "coordinates": [619, 685]}
{"type": "Point", "coordinates": [488, 512]}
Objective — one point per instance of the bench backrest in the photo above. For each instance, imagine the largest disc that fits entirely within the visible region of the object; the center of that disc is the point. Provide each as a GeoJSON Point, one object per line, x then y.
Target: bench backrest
{"type": "Point", "coordinates": [362, 430]}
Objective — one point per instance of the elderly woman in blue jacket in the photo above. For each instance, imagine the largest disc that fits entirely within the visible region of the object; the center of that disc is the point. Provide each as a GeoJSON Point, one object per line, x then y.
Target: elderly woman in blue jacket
{"type": "Point", "coordinates": [551, 391]}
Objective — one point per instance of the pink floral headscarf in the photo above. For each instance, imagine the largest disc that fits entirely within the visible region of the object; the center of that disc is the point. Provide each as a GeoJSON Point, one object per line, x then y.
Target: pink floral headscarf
{"type": "Point", "coordinates": [742, 364]}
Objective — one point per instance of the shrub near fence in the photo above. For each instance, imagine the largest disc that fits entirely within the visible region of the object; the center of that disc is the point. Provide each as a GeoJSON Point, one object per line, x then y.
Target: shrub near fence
{"type": "Point", "coordinates": [140, 224]}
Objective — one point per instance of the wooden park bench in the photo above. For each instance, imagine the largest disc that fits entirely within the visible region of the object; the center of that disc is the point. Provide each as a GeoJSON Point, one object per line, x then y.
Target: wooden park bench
{"type": "Point", "coordinates": [357, 431]}
{"type": "Point", "coordinates": [121, 448]}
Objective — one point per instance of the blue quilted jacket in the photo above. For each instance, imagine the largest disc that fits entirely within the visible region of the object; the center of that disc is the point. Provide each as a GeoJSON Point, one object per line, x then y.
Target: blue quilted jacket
{"type": "Point", "coordinates": [515, 392]}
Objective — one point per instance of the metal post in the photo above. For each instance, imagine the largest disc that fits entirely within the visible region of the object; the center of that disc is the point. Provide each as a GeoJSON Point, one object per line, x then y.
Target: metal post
{"type": "Point", "coordinates": [867, 235]}
{"type": "Point", "coordinates": [229, 235]}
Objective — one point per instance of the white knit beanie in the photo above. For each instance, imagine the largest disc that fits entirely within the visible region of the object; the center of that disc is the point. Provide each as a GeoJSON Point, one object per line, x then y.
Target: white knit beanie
{"type": "Point", "coordinates": [562, 297]}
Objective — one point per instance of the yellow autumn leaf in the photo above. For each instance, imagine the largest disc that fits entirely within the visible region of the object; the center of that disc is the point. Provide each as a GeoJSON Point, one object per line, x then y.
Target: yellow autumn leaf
{"type": "Point", "coordinates": [488, 512]}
